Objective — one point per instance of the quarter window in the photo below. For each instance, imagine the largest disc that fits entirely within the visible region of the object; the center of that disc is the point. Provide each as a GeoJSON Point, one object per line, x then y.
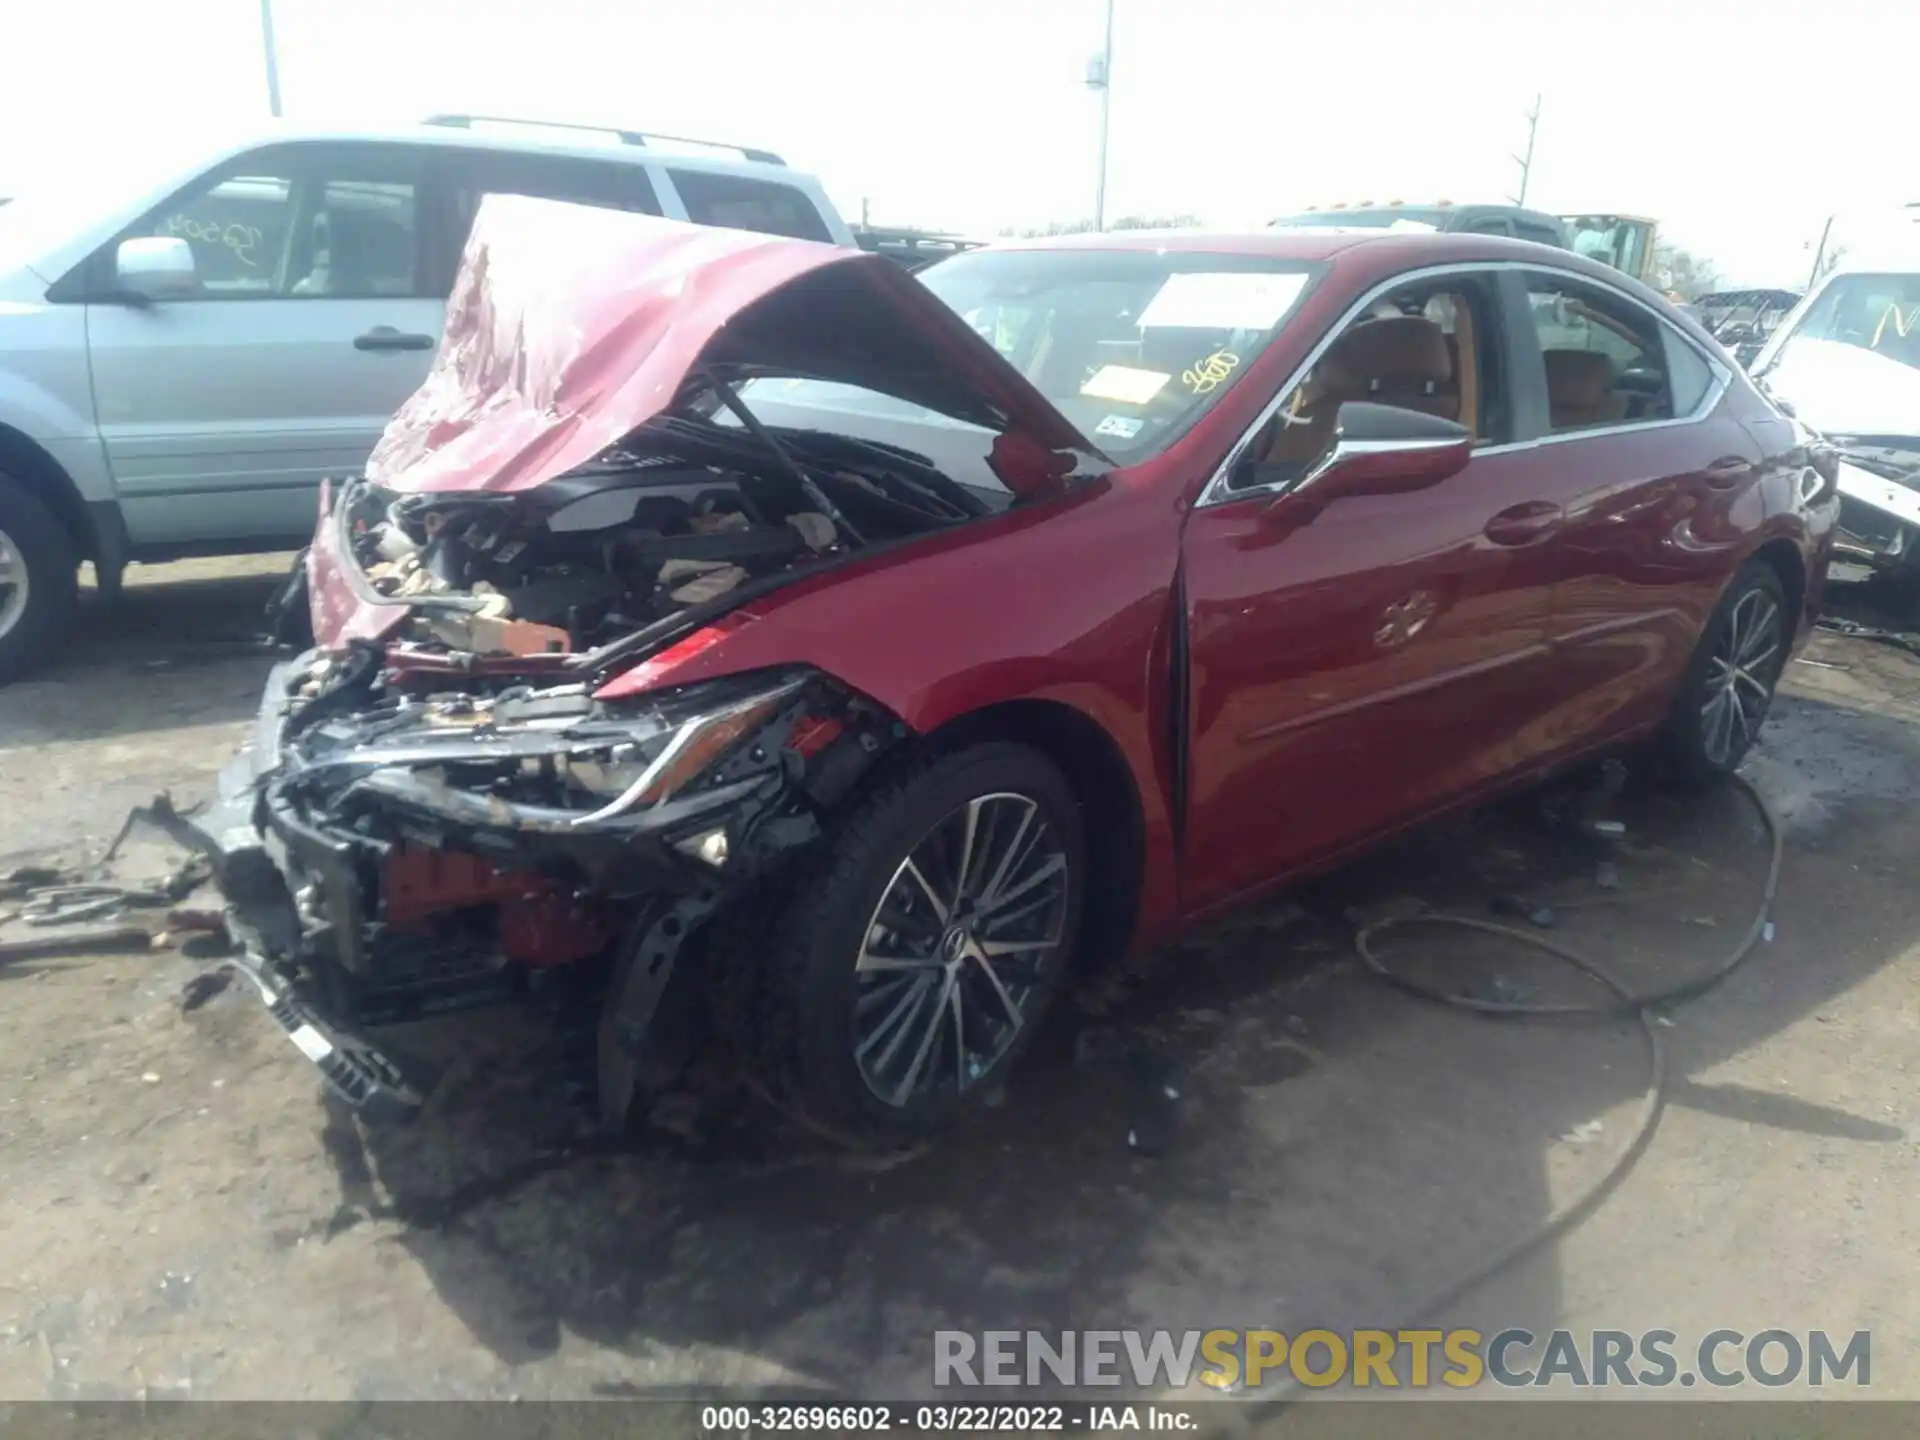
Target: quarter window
{"type": "Point", "coordinates": [1606, 359]}
{"type": "Point", "coordinates": [740, 202]}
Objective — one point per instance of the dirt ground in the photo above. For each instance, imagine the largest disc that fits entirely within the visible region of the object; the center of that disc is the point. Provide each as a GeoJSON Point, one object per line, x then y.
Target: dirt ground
{"type": "Point", "coordinates": [187, 1216]}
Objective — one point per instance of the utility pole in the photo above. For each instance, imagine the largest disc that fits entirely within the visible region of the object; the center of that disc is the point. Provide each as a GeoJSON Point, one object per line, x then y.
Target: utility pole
{"type": "Point", "coordinates": [273, 60]}
{"type": "Point", "coordinates": [1525, 162]}
{"type": "Point", "coordinates": [1100, 77]}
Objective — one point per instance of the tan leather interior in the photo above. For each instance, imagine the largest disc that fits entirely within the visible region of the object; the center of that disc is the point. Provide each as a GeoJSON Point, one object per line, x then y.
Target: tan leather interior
{"type": "Point", "coordinates": [1580, 390]}
{"type": "Point", "coordinates": [1401, 360]}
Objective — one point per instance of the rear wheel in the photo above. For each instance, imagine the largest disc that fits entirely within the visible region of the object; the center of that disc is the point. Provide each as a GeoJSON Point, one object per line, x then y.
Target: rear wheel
{"type": "Point", "coordinates": [39, 580]}
{"type": "Point", "coordinates": [914, 965]}
{"type": "Point", "coordinates": [1729, 683]}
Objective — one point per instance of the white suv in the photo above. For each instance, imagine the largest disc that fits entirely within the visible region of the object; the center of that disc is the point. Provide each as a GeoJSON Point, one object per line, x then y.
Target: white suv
{"type": "Point", "coordinates": [182, 362]}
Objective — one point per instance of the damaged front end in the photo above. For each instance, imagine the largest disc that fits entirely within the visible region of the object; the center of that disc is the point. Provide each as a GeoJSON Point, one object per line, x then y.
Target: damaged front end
{"type": "Point", "coordinates": [484, 775]}
{"type": "Point", "coordinates": [389, 852]}
{"type": "Point", "coordinates": [1879, 502]}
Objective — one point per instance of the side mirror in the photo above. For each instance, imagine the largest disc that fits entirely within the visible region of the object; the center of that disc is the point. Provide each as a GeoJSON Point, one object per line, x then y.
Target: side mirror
{"type": "Point", "coordinates": [1382, 450]}
{"type": "Point", "coordinates": [156, 267]}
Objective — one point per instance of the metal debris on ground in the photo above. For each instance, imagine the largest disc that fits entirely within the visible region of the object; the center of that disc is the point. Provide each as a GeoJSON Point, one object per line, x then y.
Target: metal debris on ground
{"type": "Point", "coordinates": [1521, 908]}
{"type": "Point", "coordinates": [98, 940]}
{"type": "Point", "coordinates": [1585, 1133]}
{"type": "Point", "coordinates": [1854, 630]}
{"type": "Point", "coordinates": [203, 987]}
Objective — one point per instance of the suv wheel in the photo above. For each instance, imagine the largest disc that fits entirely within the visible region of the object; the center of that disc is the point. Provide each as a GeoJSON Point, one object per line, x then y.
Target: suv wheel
{"type": "Point", "coordinates": [39, 580]}
{"type": "Point", "coordinates": [915, 963]}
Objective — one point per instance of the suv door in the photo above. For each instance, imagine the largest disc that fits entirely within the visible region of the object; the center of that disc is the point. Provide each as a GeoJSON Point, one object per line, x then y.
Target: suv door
{"type": "Point", "coordinates": [1386, 657]}
{"type": "Point", "coordinates": [1631, 444]}
{"type": "Point", "coordinates": [315, 318]}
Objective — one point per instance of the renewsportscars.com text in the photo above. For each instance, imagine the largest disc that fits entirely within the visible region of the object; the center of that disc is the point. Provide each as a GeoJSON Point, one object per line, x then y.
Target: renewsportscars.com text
{"type": "Point", "coordinates": [1394, 1359]}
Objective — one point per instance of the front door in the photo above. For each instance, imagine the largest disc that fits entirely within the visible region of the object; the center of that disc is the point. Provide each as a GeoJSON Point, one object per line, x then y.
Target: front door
{"type": "Point", "coordinates": [318, 315]}
{"type": "Point", "coordinates": [1386, 657]}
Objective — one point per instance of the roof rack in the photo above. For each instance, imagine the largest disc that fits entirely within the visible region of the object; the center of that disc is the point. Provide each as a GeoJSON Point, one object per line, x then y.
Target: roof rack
{"type": "Point", "coordinates": [645, 139]}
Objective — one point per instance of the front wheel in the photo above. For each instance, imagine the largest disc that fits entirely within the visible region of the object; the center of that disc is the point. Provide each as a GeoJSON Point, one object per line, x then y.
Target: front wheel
{"type": "Point", "coordinates": [39, 580]}
{"type": "Point", "coordinates": [913, 965]}
{"type": "Point", "coordinates": [1729, 684]}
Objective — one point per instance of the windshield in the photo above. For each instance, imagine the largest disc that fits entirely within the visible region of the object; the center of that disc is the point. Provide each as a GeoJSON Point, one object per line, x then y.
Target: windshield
{"type": "Point", "coordinates": [1131, 346]}
{"type": "Point", "coordinates": [1880, 313]}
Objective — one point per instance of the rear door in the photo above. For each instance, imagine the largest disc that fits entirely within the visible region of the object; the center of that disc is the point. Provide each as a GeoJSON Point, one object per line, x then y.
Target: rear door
{"type": "Point", "coordinates": [1386, 658]}
{"type": "Point", "coordinates": [316, 317]}
{"type": "Point", "coordinates": [1632, 445]}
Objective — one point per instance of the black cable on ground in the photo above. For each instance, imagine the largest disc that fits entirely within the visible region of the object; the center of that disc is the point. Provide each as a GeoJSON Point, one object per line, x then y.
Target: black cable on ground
{"type": "Point", "coordinates": [1627, 1004]}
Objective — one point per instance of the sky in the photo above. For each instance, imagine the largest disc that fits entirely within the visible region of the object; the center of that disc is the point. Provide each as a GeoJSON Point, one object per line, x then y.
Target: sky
{"type": "Point", "coordinates": [1739, 129]}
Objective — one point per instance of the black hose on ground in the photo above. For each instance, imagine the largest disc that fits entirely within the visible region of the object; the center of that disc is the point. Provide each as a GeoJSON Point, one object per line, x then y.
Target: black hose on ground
{"type": "Point", "coordinates": [1627, 1004]}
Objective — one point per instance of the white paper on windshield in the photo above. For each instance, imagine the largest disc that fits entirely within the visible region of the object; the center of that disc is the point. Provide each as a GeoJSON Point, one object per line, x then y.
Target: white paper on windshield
{"type": "Point", "coordinates": [1119, 427]}
{"type": "Point", "coordinates": [1222, 301]}
{"type": "Point", "coordinates": [1125, 384]}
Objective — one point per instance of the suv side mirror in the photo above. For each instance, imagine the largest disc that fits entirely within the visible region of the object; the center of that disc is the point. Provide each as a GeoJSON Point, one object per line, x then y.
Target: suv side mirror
{"type": "Point", "coordinates": [1382, 450]}
{"type": "Point", "coordinates": [156, 267]}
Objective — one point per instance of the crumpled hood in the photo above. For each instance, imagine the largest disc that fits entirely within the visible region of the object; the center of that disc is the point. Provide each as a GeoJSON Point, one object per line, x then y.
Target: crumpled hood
{"type": "Point", "coordinates": [569, 327]}
{"type": "Point", "coordinates": [1843, 389]}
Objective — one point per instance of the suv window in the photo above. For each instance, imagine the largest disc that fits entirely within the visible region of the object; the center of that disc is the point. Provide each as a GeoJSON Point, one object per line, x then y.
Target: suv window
{"type": "Point", "coordinates": [1494, 225]}
{"type": "Point", "coordinates": [1605, 358]}
{"type": "Point", "coordinates": [741, 202]}
{"type": "Point", "coordinates": [291, 224]}
{"type": "Point", "coordinates": [1540, 234]}
{"type": "Point", "coordinates": [471, 176]}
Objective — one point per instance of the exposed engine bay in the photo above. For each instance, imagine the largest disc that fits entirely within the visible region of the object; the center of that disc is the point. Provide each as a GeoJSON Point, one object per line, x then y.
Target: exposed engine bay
{"type": "Point", "coordinates": [683, 514]}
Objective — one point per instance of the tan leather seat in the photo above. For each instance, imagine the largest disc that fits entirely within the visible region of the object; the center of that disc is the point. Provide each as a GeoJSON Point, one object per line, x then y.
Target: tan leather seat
{"type": "Point", "coordinates": [1403, 360]}
{"type": "Point", "coordinates": [1580, 390]}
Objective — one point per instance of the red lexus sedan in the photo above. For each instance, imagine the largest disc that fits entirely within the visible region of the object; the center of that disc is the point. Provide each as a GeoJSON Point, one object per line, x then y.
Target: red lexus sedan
{"type": "Point", "coordinates": [861, 649]}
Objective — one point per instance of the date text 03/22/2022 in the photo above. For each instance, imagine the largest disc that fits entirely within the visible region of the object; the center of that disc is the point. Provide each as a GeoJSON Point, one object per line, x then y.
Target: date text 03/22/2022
{"type": "Point", "coordinates": [946, 1419]}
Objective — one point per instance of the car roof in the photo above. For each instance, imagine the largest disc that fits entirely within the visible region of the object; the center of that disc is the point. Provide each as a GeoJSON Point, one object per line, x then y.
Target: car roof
{"type": "Point", "coordinates": [534, 139]}
{"type": "Point", "coordinates": [1388, 249]}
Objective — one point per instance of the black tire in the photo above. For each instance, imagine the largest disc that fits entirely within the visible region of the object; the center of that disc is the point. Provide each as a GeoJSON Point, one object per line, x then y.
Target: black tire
{"type": "Point", "coordinates": [803, 1014]}
{"type": "Point", "coordinates": [1718, 713]}
{"type": "Point", "coordinates": [38, 543]}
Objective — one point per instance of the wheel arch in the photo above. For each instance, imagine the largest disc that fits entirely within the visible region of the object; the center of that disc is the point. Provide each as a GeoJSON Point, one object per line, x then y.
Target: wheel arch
{"type": "Point", "coordinates": [1101, 780]}
{"type": "Point", "coordinates": [23, 459]}
{"type": "Point", "coordinates": [1789, 566]}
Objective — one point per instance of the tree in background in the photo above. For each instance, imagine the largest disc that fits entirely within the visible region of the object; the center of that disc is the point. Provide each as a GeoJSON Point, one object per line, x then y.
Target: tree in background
{"type": "Point", "coordinates": [1677, 270]}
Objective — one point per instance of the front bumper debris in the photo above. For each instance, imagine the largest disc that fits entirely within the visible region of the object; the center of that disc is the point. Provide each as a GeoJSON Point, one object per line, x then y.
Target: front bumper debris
{"type": "Point", "coordinates": [374, 879]}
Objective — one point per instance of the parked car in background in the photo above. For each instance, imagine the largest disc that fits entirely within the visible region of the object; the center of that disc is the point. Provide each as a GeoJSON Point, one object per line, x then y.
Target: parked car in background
{"type": "Point", "coordinates": [1847, 361]}
{"type": "Point", "coordinates": [915, 249]}
{"type": "Point", "coordinates": [1622, 242]}
{"type": "Point", "coordinates": [185, 353]}
{"type": "Point", "coordinates": [863, 650]}
{"type": "Point", "coordinates": [1744, 320]}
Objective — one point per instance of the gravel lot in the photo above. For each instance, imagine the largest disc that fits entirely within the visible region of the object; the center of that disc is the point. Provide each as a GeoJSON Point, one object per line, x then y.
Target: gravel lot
{"type": "Point", "coordinates": [189, 1217]}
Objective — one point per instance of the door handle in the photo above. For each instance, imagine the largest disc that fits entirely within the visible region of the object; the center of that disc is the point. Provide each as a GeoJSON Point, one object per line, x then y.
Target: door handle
{"type": "Point", "coordinates": [1525, 523]}
{"type": "Point", "coordinates": [1727, 472]}
{"type": "Point", "coordinates": [385, 337]}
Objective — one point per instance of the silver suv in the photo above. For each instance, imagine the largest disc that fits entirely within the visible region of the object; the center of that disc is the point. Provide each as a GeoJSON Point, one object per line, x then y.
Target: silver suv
{"type": "Point", "coordinates": [182, 362]}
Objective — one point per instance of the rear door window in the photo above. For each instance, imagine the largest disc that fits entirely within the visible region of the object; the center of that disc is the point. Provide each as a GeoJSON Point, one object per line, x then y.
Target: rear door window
{"type": "Point", "coordinates": [745, 202]}
{"type": "Point", "coordinates": [468, 177]}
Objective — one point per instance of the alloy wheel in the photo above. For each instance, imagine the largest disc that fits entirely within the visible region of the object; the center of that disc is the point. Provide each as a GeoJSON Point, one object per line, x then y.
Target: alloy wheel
{"type": "Point", "coordinates": [13, 584]}
{"type": "Point", "coordinates": [1739, 677]}
{"type": "Point", "coordinates": [966, 931]}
